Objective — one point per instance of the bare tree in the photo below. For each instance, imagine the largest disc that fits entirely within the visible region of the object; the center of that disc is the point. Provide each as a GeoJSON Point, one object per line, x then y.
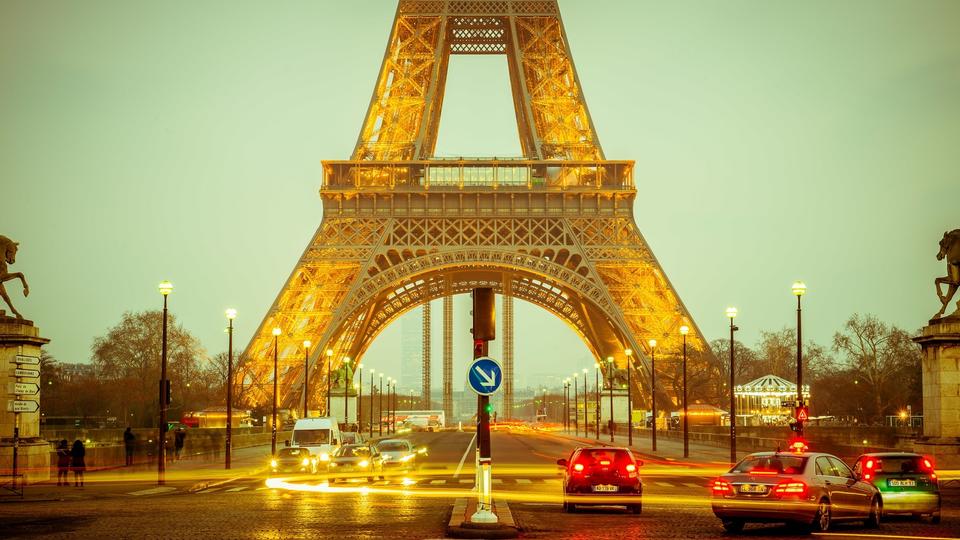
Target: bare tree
{"type": "Point", "coordinates": [879, 356]}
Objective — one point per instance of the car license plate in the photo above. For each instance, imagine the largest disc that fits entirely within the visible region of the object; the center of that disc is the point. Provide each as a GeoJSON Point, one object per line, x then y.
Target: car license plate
{"type": "Point", "coordinates": [751, 488]}
{"type": "Point", "coordinates": [605, 488]}
{"type": "Point", "coordinates": [894, 482]}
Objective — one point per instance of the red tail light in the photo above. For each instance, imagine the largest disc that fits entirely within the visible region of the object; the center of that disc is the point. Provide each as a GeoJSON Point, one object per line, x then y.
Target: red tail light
{"type": "Point", "coordinates": [720, 487]}
{"type": "Point", "coordinates": [870, 467]}
{"type": "Point", "coordinates": [631, 467]}
{"type": "Point", "coordinates": [578, 467]}
{"type": "Point", "coordinates": [605, 462]}
{"type": "Point", "coordinates": [927, 466]}
{"type": "Point", "coordinates": [798, 489]}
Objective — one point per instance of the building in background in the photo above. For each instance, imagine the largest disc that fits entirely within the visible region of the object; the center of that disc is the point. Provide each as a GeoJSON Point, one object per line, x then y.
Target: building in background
{"type": "Point", "coordinates": [411, 352]}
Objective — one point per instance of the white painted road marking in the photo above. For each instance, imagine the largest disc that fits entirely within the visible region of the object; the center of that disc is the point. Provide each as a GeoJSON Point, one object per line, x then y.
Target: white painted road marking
{"type": "Point", "coordinates": [233, 490]}
{"type": "Point", "coordinates": [465, 454]}
{"type": "Point", "coordinates": [152, 491]}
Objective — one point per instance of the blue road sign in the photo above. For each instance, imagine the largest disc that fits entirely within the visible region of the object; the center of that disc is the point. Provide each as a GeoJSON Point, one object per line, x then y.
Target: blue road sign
{"type": "Point", "coordinates": [485, 376]}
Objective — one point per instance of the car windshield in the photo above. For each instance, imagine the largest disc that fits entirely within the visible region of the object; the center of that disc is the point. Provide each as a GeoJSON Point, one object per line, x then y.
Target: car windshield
{"type": "Point", "coordinates": [292, 452]}
{"type": "Point", "coordinates": [309, 437]}
{"type": "Point", "coordinates": [352, 451]}
{"type": "Point", "coordinates": [393, 446]}
{"type": "Point", "coordinates": [900, 464]}
{"type": "Point", "coordinates": [775, 464]}
{"type": "Point", "coordinates": [349, 437]}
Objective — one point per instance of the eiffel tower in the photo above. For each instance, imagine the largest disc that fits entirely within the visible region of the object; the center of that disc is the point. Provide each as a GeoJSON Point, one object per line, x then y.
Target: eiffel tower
{"type": "Point", "coordinates": [402, 227]}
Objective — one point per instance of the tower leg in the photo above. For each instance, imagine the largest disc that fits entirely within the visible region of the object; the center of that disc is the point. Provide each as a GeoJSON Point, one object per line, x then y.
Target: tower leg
{"type": "Point", "coordinates": [425, 390]}
{"type": "Point", "coordinates": [448, 356]}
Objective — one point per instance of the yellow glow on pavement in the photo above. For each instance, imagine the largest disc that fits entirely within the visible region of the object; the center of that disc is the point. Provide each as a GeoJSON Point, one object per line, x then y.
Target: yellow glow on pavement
{"type": "Point", "coordinates": [861, 535]}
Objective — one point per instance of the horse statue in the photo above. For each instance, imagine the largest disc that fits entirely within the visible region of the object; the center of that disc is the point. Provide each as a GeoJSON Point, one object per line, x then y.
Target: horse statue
{"type": "Point", "coordinates": [949, 250]}
{"type": "Point", "coordinates": [9, 249]}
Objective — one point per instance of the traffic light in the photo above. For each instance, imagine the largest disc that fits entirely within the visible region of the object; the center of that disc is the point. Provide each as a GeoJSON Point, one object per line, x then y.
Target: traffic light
{"type": "Point", "coordinates": [484, 314]}
{"type": "Point", "coordinates": [488, 408]}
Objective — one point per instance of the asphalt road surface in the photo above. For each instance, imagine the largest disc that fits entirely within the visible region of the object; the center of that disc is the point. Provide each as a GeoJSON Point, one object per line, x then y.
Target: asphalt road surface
{"type": "Point", "coordinates": [410, 506]}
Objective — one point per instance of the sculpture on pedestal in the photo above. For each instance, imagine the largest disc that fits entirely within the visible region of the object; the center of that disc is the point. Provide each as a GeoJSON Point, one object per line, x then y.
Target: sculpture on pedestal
{"type": "Point", "coordinates": [949, 250]}
{"type": "Point", "coordinates": [9, 249]}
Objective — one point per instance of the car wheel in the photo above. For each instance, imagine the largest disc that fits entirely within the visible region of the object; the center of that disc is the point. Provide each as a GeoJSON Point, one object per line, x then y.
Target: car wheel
{"type": "Point", "coordinates": [821, 520]}
{"type": "Point", "coordinates": [935, 517]}
{"type": "Point", "coordinates": [635, 508]}
{"type": "Point", "coordinates": [873, 519]}
{"type": "Point", "coordinates": [732, 525]}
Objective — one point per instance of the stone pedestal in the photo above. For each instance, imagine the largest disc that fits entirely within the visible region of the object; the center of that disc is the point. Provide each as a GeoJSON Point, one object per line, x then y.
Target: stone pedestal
{"type": "Point", "coordinates": [18, 337]}
{"type": "Point", "coordinates": [940, 342]}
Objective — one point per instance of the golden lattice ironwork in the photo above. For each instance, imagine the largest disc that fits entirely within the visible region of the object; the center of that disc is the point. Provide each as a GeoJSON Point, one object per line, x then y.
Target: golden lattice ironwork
{"type": "Point", "coordinates": [401, 227]}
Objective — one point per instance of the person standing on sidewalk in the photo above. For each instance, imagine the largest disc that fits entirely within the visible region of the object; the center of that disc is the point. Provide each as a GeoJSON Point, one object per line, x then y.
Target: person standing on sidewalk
{"type": "Point", "coordinates": [77, 463]}
{"type": "Point", "coordinates": [178, 439]}
{"type": "Point", "coordinates": [63, 463]}
{"type": "Point", "coordinates": [129, 443]}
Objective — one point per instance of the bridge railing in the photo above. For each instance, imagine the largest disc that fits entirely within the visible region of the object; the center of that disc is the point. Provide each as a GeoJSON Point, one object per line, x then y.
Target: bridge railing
{"type": "Point", "coordinates": [482, 174]}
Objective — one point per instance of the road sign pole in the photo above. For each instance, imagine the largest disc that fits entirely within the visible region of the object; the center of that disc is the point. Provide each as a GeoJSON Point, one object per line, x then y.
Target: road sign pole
{"type": "Point", "coordinates": [484, 325]}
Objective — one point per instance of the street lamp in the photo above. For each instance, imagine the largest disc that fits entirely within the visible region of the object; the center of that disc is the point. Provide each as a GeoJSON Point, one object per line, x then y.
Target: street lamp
{"type": "Point", "coordinates": [273, 436]}
{"type": "Point", "coordinates": [684, 330]}
{"type": "Point", "coordinates": [586, 416]}
{"type": "Point", "coordinates": [359, 397]}
{"type": "Point", "coordinates": [732, 314]}
{"type": "Point", "coordinates": [799, 288]}
{"type": "Point", "coordinates": [329, 380]}
{"type": "Point", "coordinates": [231, 315]}
{"type": "Point", "coordinates": [596, 389]}
{"type": "Point", "coordinates": [629, 353]}
{"type": "Point", "coordinates": [346, 413]}
{"type": "Point", "coordinates": [610, 382]}
{"type": "Point", "coordinates": [372, 371]}
{"type": "Point", "coordinates": [165, 289]}
{"type": "Point", "coordinates": [566, 405]}
{"type": "Point", "coordinates": [653, 393]}
{"type": "Point", "coordinates": [576, 405]}
{"type": "Point", "coordinates": [380, 416]}
{"type": "Point", "coordinates": [306, 374]}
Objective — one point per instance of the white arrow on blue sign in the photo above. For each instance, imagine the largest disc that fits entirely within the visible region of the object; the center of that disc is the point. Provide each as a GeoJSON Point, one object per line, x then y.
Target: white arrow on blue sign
{"type": "Point", "coordinates": [485, 376]}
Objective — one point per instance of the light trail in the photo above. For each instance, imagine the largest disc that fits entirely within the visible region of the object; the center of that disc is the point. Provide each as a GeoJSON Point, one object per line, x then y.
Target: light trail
{"type": "Point", "coordinates": [896, 536]}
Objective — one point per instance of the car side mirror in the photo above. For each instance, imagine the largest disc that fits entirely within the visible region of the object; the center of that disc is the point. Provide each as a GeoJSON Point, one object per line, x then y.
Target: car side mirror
{"type": "Point", "coordinates": [287, 443]}
{"type": "Point", "coordinates": [639, 463]}
{"type": "Point", "coordinates": [335, 442]}
{"type": "Point", "coordinates": [562, 462]}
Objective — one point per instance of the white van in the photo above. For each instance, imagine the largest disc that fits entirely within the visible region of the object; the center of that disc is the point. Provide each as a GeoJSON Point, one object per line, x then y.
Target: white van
{"type": "Point", "coordinates": [321, 436]}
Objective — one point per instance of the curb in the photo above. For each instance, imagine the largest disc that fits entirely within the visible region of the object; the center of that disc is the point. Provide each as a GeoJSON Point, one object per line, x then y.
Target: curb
{"type": "Point", "coordinates": [458, 528]}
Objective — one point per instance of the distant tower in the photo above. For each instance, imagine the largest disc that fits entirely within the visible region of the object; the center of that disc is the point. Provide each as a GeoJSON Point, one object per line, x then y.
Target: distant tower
{"type": "Point", "coordinates": [411, 351]}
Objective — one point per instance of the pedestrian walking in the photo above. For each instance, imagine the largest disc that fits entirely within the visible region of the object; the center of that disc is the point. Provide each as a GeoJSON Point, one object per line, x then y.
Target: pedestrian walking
{"type": "Point", "coordinates": [129, 444]}
{"type": "Point", "coordinates": [63, 463]}
{"type": "Point", "coordinates": [178, 439]}
{"type": "Point", "coordinates": [77, 463]}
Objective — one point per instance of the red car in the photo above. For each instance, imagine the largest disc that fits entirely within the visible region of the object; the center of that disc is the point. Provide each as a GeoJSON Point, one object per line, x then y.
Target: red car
{"type": "Point", "coordinates": [601, 476]}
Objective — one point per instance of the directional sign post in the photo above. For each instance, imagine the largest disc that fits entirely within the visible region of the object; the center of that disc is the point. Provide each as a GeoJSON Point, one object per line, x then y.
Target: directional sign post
{"type": "Point", "coordinates": [31, 360]}
{"type": "Point", "coordinates": [485, 376]}
{"type": "Point", "coordinates": [26, 389]}
{"type": "Point", "coordinates": [22, 406]}
{"type": "Point", "coordinates": [29, 373]}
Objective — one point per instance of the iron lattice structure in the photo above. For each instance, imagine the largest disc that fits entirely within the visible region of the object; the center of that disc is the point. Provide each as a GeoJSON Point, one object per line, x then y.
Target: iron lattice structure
{"type": "Point", "coordinates": [400, 227]}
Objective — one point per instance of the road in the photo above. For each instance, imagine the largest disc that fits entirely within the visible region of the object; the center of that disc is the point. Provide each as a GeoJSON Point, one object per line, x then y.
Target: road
{"type": "Point", "coordinates": [676, 503]}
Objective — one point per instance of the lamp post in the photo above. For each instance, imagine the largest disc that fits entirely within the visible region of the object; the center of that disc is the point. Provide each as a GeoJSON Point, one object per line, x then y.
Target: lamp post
{"type": "Point", "coordinates": [380, 415]}
{"type": "Point", "coordinates": [610, 382]}
{"type": "Point", "coordinates": [586, 400]}
{"type": "Point", "coordinates": [629, 353]}
{"type": "Point", "coordinates": [596, 401]}
{"type": "Point", "coordinates": [393, 409]}
{"type": "Point", "coordinates": [653, 393]}
{"type": "Point", "coordinates": [273, 431]}
{"type": "Point", "coordinates": [732, 314]}
{"type": "Point", "coordinates": [165, 289]}
{"type": "Point", "coordinates": [372, 371]}
{"type": "Point", "coordinates": [306, 375]}
{"type": "Point", "coordinates": [359, 397]}
{"type": "Point", "coordinates": [346, 392]}
{"type": "Point", "coordinates": [329, 380]}
{"type": "Point", "coordinates": [684, 330]}
{"type": "Point", "coordinates": [566, 405]}
{"type": "Point", "coordinates": [228, 443]}
{"type": "Point", "coordinates": [799, 288]}
{"type": "Point", "coordinates": [389, 403]}
{"type": "Point", "coordinates": [576, 405]}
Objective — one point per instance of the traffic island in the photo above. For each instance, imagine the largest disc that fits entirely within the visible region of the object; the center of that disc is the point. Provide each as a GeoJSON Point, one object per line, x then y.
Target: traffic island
{"type": "Point", "coordinates": [460, 525]}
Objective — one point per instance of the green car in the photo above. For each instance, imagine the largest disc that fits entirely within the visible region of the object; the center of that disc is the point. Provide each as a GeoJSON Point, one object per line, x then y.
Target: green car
{"type": "Point", "coordinates": [907, 482]}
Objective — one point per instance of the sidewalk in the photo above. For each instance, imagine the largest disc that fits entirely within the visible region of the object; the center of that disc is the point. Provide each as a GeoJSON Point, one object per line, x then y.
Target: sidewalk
{"type": "Point", "coordinates": [141, 479]}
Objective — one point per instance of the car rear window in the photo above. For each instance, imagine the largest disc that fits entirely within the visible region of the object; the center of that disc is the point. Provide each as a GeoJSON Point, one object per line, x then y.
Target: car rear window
{"type": "Point", "coordinates": [900, 464]}
{"type": "Point", "coordinates": [309, 437]}
{"type": "Point", "coordinates": [776, 464]}
{"type": "Point", "coordinates": [602, 454]}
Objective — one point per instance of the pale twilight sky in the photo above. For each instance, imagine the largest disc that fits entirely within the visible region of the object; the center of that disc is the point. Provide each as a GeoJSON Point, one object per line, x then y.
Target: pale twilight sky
{"type": "Point", "coordinates": [182, 140]}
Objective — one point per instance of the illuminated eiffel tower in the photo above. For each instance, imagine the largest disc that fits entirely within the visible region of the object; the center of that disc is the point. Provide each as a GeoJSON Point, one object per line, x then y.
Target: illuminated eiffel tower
{"type": "Point", "coordinates": [401, 227]}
